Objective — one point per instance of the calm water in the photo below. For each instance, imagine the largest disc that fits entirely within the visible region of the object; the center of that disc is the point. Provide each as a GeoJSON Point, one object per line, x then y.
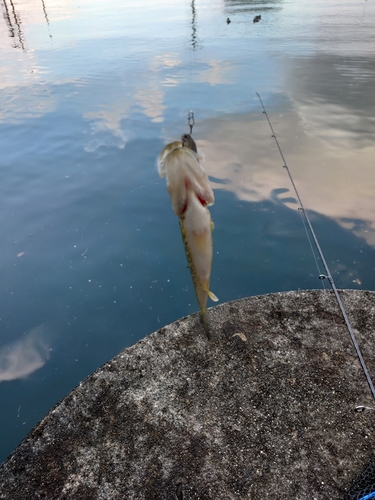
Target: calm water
{"type": "Point", "coordinates": [91, 256]}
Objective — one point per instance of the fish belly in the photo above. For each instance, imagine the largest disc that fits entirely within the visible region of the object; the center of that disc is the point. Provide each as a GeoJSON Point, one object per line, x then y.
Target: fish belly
{"type": "Point", "coordinates": [197, 235]}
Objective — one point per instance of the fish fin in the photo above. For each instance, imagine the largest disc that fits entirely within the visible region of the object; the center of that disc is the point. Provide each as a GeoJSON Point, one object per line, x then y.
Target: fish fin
{"type": "Point", "coordinates": [202, 191]}
{"type": "Point", "coordinates": [161, 163]}
{"type": "Point", "coordinates": [203, 320]}
{"type": "Point", "coordinates": [212, 225]}
{"type": "Point", "coordinates": [211, 295]}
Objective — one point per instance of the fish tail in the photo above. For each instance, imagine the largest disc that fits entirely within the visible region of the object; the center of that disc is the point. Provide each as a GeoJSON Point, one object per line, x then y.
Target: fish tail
{"type": "Point", "coordinates": [203, 319]}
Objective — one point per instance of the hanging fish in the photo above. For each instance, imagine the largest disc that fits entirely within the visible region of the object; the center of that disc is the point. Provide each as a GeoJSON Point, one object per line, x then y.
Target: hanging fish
{"type": "Point", "coordinates": [191, 193]}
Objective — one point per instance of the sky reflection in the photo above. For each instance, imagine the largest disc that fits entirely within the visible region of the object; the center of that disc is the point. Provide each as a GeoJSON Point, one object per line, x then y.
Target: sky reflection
{"type": "Point", "coordinates": [23, 357]}
{"type": "Point", "coordinates": [334, 182]}
{"type": "Point", "coordinates": [89, 93]}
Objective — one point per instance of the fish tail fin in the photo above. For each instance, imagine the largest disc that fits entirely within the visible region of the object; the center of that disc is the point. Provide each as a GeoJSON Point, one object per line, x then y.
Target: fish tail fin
{"type": "Point", "coordinates": [203, 320]}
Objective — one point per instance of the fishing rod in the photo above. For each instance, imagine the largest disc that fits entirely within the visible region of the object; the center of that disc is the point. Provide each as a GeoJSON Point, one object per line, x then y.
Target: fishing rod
{"type": "Point", "coordinates": [328, 273]}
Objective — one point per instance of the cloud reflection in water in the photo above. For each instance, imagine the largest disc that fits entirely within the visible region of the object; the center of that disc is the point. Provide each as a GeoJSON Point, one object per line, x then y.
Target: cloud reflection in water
{"type": "Point", "coordinates": [21, 358]}
{"type": "Point", "coordinates": [335, 182]}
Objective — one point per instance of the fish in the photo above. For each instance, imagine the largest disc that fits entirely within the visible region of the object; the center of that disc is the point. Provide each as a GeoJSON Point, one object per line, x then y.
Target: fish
{"type": "Point", "coordinates": [190, 193]}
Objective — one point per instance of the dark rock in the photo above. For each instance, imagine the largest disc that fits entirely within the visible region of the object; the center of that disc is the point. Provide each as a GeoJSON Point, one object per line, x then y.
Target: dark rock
{"type": "Point", "coordinates": [264, 411]}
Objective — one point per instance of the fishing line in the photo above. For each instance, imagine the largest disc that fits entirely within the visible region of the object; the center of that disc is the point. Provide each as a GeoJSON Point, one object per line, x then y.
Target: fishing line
{"type": "Point", "coordinates": [190, 120]}
{"type": "Point", "coordinates": [327, 271]}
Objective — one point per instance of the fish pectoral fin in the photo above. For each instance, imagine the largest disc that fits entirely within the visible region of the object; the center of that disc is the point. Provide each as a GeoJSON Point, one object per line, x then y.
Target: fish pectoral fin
{"type": "Point", "coordinates": [212, 296]}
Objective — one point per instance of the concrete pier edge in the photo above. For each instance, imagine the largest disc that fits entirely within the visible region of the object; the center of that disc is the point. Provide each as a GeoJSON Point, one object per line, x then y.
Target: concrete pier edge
{"type": "Point", "coordinates": [263, 411]}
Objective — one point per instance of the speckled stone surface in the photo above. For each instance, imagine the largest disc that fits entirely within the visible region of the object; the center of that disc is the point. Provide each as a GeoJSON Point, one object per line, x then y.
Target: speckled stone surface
{"type": "Point", "coordinates": [263, 411]}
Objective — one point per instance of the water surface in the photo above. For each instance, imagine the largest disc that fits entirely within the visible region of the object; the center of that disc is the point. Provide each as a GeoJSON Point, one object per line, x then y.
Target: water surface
{"type": "Point", "coordinates": [91, 257]}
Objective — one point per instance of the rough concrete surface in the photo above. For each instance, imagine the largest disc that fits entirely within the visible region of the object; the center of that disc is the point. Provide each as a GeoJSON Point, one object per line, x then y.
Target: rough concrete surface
{"type": "Point", "coordinates": [263, 411]}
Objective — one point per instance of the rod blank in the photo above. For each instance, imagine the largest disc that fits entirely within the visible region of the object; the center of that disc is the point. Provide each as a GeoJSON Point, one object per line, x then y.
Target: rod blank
{"type": "Point", "coordinates": [328, 273]}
